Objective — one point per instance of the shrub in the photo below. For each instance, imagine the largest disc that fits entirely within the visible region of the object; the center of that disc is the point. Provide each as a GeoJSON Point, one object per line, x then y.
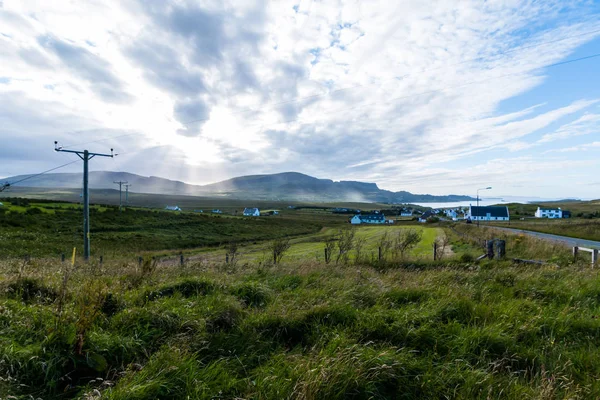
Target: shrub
{"type": "Point", "coordinates": [31, 290]}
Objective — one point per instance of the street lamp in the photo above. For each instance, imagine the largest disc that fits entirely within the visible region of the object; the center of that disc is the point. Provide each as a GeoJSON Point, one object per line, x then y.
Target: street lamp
{"type": "Point", "coordinates": [487, 188]}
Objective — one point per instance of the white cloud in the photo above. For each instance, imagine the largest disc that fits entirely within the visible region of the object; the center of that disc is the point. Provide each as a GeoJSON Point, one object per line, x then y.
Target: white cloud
{"type": "Point", "coordinates": [338, 89]}
{"type": "Point", "coordinates": [585, 125]}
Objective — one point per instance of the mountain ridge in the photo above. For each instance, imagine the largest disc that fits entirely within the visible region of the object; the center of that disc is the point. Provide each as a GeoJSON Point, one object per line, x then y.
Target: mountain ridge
{"type": "Point", "coordinates": [279, 186]}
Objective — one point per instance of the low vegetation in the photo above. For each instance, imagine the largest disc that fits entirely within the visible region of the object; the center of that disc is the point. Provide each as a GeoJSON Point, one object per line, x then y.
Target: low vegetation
{"type": "Point", "coordinates": [300, 330]}
{"type": "Point", "coordinates": [271, 315]}
{"type": "Point", "coordinates": [50, 229]}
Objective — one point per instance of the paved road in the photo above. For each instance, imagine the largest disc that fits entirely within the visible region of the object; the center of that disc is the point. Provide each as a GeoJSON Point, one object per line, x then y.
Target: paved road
{"type": "Point", "coordinates": [569, 241]}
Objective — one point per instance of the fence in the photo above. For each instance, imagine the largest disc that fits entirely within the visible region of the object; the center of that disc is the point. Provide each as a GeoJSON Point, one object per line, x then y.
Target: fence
{"type": "Point", "coordinates": [594, 252]}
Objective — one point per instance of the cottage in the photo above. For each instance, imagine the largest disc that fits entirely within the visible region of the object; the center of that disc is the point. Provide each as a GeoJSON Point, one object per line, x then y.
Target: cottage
{"type": "Point", "coordinates": [368, 219]}
{"type": "Point", "coordinates": [451, 213]}
{"type": "Point", "coordinates": [427, 214]}
{"type": "Point", "coordinates": [549, 213]}
{"type": "Point", "coordinates": [173, 208]}
{"type": "Point", "coordinates": [217, 211]}
{"type": "Point", "coordinates": [251, 212]}
{"type": "Point", "coordinates": [489, 213]}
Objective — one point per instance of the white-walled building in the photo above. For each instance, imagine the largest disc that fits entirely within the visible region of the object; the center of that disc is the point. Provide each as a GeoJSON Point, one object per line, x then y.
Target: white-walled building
{"type": "Point", "coordinates": [173, 208]}
{"type": "Point", "coordinates": [488, 213]}
{"type": "Point", "coordinates": [548, 213]}
{"type": "Point", "coordinates": [251, 212]}
{"type": "Point", "coordinates": [368, 219]}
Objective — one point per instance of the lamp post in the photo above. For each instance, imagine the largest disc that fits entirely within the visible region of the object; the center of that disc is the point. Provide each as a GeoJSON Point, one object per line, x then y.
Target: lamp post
{"type": "Point", "coordinates": [486, 188]}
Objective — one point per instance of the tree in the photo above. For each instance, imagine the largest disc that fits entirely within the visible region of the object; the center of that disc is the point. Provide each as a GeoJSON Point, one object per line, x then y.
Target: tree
{"type": "Point", "coordinates": [384, 244]}
{"type": "Point", "coordinates": [406, 240]}
{"type": "Point", "coordinates": [440, 246]}
{"type": "Point", "coordinates": [329, 246]}
{"type": "Point", "coordinates": [232, 253]}
{"type": "Point", "coordinates": [345, 243]}
{"type": "Point", "coordinates": [278, 247]}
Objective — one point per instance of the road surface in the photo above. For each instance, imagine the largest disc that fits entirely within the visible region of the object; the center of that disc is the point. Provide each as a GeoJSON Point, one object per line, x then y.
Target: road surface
{"type": "Point", "coordinates": [569, 241]}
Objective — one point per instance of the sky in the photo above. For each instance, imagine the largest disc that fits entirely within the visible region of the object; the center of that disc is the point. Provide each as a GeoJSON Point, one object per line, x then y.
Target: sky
{"type": "Point", "coordinates": [431, 97]}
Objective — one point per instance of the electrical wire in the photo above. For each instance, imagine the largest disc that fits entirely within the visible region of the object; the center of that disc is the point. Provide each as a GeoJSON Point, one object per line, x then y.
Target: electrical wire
{"type": "Point", "coordinates": [8, 184]}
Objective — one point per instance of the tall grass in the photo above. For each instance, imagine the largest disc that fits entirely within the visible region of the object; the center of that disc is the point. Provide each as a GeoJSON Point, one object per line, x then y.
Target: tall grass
{"type": "Point", "coordinates": [301, 331]}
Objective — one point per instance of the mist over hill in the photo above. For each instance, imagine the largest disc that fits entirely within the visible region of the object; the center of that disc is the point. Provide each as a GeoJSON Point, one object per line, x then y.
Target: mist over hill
{"type": "Point", "coordinates": [283, 186]}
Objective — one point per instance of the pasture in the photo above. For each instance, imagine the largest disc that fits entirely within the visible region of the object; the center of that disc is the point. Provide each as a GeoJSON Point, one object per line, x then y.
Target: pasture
{"type": "Point", "coordinates": [299, 327]}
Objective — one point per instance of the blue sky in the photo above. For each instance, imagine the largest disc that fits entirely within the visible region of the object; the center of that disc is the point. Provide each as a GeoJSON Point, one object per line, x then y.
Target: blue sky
{"type": "Point", "coordinates": [431, 97]}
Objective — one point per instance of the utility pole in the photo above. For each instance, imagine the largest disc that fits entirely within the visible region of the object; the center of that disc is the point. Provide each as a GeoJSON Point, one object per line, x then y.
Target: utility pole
{"type": "Point", "coordinates": [127, 194]}
{"type": "Point", "coordinates": [120, 183]}
{"type": "Point", "coordinates": [86, 156]}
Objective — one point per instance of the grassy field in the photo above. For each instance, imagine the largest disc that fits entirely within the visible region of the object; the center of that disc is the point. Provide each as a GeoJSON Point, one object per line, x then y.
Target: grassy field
{"type": "Point", "coordinates": [357, 327]}
{"type": "Point", "coordinates": [300, 330]}
{"type": "Point", "coordinates": [311, 247]}
{"type": "Point", "coordinates": [572, 227]}
{"type": "Point", "coordinates": [50, 229]}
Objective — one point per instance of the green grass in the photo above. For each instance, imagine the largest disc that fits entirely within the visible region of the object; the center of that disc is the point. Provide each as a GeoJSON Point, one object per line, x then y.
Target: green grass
{"type": "Point", "coordinates": [44, 229]}
{"type": "Point", "coordinates": [301, 330]}
{"type": "Point", "coordinates": [575, 227]}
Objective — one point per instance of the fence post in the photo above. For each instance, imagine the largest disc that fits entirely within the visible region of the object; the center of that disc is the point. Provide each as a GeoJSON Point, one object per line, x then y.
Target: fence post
{"type": "Point", "coordinates": [181, 260]}
{"type": "Point", "coordinates": [101, 259]}
{"type": "Point", "coordinates": [226, 258]}
{"type": "Point", "coordinates": [490, 248]}
{"type": "Point", "coordinates": [274, 257]}
{"type": "Point", "coordinates": [434, 251]}
{"type": "Point", "coordinates": [62, 257]}
{"type": "Point", "coordinates": [379, 253]}
{"type": "Point", "coordinates": [594, 257]}
{"type": "Point", "coordinates": [575, 252]}
{"type": "Point", "coordinates": [500, 249]}
{"type": "Point", "coordinates": [326, 256]}
{"type": "Point", "coordinates": [140, 259]}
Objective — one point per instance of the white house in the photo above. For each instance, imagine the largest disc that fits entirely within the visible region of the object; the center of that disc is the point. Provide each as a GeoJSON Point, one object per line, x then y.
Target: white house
{"type": "Point", "coordinates": [368, 219]}
{"type": "Point", "coordinates": [427, 214]}
{"type": "Point", "coordinates": [251, 212]}
{"type": "Point", "coordinates": [173, 208]}
{"type": "Point", "coordinates": [406, 213]}
{"type": "Point", "coordinates": [217, 211]}
{"type": "Point", "coordinates": [451, 213]}
{"type": "Point", "coordinates": [548, 213]}
{"type": "Point", "coordinates": [488, 213]}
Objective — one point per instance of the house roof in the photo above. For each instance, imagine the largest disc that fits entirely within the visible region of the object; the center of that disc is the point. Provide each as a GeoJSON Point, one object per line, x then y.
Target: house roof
{"type": "Point", "coordinates": [549, 209]}
{"type": "Point", "coordinates": [427, 214]}
{"type": "Point", "coordinates": [250, 210]}
{"type": "Point", "coordinates": [493, 211]}
{"type": "Point", "coordinates": [376, 217]}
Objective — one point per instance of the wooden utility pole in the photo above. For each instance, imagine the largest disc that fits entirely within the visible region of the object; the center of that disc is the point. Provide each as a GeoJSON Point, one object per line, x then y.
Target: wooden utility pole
{"type": "Point", "coordinates": [120, 183]}
{"type": "Point", "coordinates": [127, 194]}
{"type": "Point", "coordinates": [86, 156]}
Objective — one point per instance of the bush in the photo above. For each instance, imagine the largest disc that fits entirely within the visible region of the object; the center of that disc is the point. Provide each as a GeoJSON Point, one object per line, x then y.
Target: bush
{"type": "Point", "coordinates": [467, 258]}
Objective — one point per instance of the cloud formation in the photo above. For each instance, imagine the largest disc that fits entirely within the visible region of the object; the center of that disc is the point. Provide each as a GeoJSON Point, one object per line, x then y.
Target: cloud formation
{"type": "Point", "coordinates": [415, 96]}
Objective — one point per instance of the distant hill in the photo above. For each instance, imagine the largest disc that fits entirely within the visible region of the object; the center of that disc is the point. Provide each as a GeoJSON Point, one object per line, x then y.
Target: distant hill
{"type": "Point", "coordinates": [283, 186]}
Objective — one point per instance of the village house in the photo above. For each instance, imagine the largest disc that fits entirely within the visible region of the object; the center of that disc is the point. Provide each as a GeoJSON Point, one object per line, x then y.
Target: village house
{"type": "Point", "coordinates": [489, 213]}
{"type": "Point", "coordinates": [173, 208]}
{"type": "Point", "coordinates": [427, 214]}
{"type": "Point", "coordinates": [251, 212]}
{"type": "Point", "coordinates": [368, 219]}
{"type": "Point", "coordinates": [549, 213]}
{"type": "Point", "coordinates": [217, 211]}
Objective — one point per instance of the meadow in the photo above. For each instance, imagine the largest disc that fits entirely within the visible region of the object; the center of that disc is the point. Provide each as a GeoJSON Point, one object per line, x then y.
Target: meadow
{"type": "Point", "coordinates": [49, 229]}
{"type": "Point", "coordinates": [355, 326]}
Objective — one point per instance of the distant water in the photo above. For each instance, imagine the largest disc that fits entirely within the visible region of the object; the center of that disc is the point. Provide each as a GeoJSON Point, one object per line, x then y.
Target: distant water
{"type": "Point", "coordinates": [482, 202]}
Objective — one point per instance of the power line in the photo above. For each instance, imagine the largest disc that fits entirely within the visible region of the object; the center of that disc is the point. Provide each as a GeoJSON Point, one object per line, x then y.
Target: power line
{"type": "Point", "coordinates": [8, 184]}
